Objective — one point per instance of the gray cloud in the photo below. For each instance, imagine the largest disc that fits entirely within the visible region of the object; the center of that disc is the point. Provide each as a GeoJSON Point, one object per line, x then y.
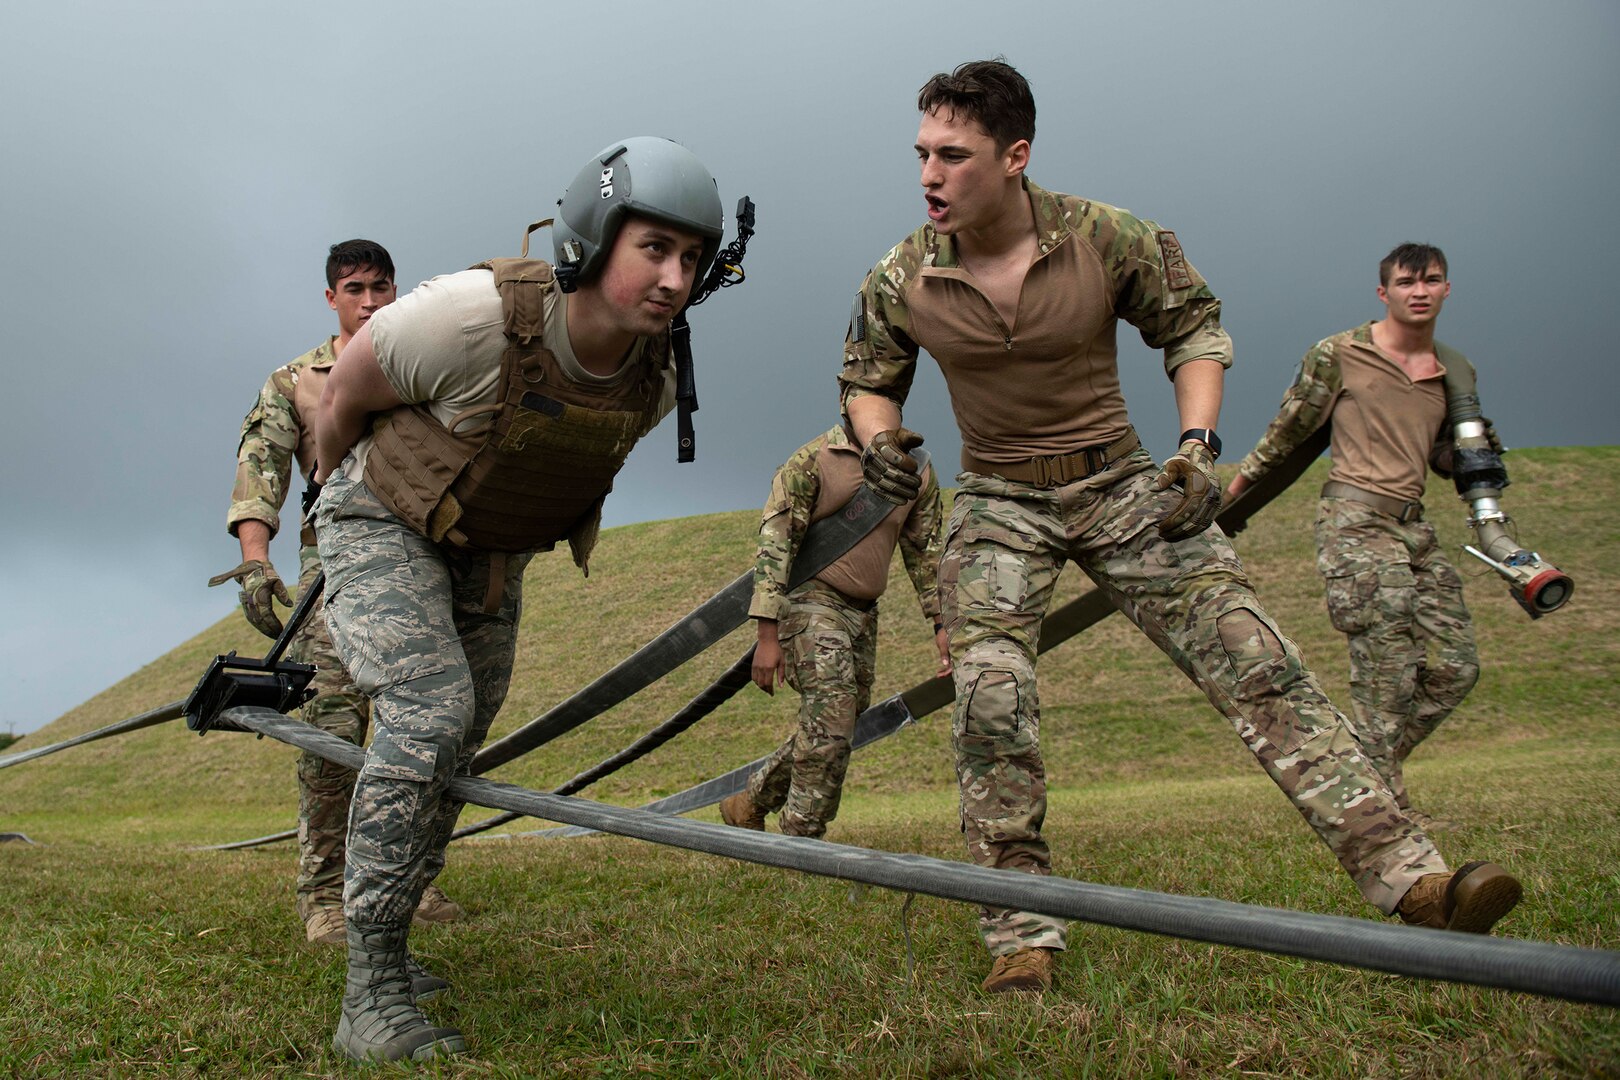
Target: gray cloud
{"type": "Point", "coordinates": [173, 174]}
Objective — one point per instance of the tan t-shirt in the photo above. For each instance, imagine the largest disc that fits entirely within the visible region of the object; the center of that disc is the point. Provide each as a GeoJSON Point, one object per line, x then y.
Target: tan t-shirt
{"type": "Point", "coordinates": [441, 345]}
{"type": "Point", "coordinates": [1384, 424]}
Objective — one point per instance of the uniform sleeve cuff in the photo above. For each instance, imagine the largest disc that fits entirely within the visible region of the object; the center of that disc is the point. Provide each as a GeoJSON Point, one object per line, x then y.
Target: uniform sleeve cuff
{"type": "Point", "coordinates": [1205, 343]}
{"type": "Point", "coordinates": [253, 510]}
{"type": "Point", "coordinates": [768, 606]}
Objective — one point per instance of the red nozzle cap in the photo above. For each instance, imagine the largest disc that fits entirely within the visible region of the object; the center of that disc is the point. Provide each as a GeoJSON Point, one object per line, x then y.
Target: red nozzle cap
{"type": "Point", "coordinates": [1548, 591]}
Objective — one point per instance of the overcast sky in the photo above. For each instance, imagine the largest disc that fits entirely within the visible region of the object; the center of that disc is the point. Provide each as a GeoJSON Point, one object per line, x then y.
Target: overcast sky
{"type": "Point", "coordinates": [171, 175]}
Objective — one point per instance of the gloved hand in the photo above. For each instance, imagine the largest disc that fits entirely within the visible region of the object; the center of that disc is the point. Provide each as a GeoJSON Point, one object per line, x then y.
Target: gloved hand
{"type": "Point", "coordinates": [888, 467]}
{"type": "Point", "coordinates": [1492, 437]}
{"type": "Point", "coordinates": [260, 583]}
{"type": "Point", "coordinates": [1193, 467]}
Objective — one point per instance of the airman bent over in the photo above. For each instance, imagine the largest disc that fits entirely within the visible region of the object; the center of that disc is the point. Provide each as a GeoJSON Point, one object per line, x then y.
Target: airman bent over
{"type": "Point", "coordinates": [479, 420]}
{"type": "Point", "coordinates": [277, 434]}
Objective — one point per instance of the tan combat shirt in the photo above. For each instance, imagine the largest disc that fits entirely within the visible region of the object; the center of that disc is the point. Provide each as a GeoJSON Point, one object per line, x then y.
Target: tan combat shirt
{"type": "Point", "coordinates": [277, 431]}
{"type": "Point", "coordinates": [1048, 384]}
{"type": "Point", "coordinates": [1384, 423]}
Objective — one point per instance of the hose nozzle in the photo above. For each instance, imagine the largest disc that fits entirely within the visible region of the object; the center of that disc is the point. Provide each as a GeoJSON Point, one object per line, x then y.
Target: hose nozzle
{"type": "Point", "coordinates": [1537, 586]}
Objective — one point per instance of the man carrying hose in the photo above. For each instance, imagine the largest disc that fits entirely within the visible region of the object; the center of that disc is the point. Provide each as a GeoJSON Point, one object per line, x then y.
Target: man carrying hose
{"type": "Point", "coordinates": [1390, 589]}
{"type": "Point", "coordinates": [821, 638]}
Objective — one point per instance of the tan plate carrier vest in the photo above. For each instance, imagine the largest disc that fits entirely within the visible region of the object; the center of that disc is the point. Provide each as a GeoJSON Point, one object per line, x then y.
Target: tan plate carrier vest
{"type": "Point", "coordinates": [538, 471]}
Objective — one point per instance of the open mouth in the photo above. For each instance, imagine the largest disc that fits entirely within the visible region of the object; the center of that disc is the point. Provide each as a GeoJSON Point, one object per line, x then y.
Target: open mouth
{"type": "Point", "coordinates": [937, 206]}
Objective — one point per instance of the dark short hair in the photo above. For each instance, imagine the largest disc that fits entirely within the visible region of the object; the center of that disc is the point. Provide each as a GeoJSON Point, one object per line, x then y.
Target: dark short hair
{"type": "Point", "coordinates": [988, 92]}
{"type": "Point", "coordinates": [1414, 257]}
{"type": "Point", "coordinates": [352, 255]}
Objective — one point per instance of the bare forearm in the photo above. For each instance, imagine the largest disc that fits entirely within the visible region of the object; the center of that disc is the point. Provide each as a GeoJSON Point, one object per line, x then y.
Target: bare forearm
{"type": "Point", "coordinates": [871, 414]}
{"type": "Point", "coordinates": [1199, 384]}
{"type": "Point", "coordinates": [338, 426]}
{"type": "Point", "coordinates": [254, 536]}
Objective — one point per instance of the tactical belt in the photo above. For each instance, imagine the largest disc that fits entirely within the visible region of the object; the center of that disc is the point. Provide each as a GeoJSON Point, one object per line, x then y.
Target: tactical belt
{"type": "Point", "coordinates": [1399, 509]}
{"type": "Point", "coordinates": [1058, 469]}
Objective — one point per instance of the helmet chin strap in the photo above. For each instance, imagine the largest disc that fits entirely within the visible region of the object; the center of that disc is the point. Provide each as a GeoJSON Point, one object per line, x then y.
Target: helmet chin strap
{"type": "Point", "coordinates": [724, 272]}
{"type": "Point", "coordinates": [680, 339]}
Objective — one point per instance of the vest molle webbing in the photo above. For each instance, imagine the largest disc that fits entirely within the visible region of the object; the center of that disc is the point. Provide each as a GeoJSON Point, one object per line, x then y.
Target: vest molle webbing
{"type": "Point", "coordinates": [524, 473]}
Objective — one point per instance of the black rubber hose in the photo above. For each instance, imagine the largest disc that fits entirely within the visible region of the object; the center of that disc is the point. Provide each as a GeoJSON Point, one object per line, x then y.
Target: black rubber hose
{"type": "Point", "coordinates": [710, 698]}
{"type": "Point", "coordinates": [1559, 971]}
{"type": "Point", "coordinates": [159, 715]}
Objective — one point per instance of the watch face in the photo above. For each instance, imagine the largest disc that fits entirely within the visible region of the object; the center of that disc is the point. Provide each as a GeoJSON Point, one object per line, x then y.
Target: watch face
{"type": "Point", "coordinates": [1206, 436]}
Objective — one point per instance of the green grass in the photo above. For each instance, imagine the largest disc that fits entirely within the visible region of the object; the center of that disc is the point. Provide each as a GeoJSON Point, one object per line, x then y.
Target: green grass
{"type": "Point", "coordinates": [128, 953]}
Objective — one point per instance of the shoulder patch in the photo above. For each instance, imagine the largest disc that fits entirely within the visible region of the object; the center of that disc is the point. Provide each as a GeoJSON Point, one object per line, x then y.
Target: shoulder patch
{"type": "Point", "coordinates": [1176, 274]}
{"type": "Point", "coordinates": [857, 320]}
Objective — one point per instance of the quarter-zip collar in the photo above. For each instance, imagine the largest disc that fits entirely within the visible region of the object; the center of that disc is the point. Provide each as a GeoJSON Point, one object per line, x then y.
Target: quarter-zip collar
{"type": "Point", "coordinates": [1051, 229]}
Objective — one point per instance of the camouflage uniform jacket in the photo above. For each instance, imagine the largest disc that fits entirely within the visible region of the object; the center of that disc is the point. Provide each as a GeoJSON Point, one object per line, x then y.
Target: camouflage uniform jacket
{"type": "Point", "coordinates": [1146, 281]}
{"type": "Point", "coordinates": [789, 513]}
{"type": "Point", "coordinates": [1308, 404]}
{"type": "Point", "coordinates": [278, 430]}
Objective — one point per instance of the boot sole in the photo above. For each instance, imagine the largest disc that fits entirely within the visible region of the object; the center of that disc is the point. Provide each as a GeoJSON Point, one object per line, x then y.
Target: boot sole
{"type": "Point", "coordinates": [1481, 893]}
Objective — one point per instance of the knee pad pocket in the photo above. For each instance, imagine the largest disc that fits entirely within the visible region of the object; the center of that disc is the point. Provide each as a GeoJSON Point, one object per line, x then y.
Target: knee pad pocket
{"type": "Point", "coordinates": [994, 706]}
{"type": "Point", "coordinates": [401, 757]}
{"type": "Point", "coordinates": [1252, 647]}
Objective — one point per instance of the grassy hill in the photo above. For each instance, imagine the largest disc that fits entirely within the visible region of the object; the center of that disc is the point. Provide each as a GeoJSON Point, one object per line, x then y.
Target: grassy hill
{"type": "Point", "coordinates": [130, 952]}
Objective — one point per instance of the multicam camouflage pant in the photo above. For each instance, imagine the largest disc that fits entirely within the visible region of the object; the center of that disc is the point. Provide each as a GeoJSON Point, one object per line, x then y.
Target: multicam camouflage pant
{"type": "Point", "coordinates": [1006, 543]}
{"type": "Point", "coordinates": [324, 789]}
{"type": "Point", "coordinates": [830, 645]}
{"type": "Point", "coordinates": [1392, 592]}
{"type": "Point", "coordinates": [407, 617]}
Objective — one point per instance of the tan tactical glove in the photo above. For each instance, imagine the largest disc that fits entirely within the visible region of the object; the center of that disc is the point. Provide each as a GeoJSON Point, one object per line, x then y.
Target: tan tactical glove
{"type": "Point", "coordinates": [260, 583]}
{"type": "Point", "coordinates": [1193, 467]}
{"type": "Point", "coordinates": [888, 467]}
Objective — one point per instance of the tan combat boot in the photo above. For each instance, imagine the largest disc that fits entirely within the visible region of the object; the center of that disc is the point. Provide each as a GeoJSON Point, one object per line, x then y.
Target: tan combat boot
{"type": "Point", "coordinates": [435, 907]}
{"type": "Point", "coordinates": [740, 812]}
{"type": "Point", "coordinates": [324, 926]}
{"type": "Point", "coordinates": [1469, 900]}
{"type": "Point", "coordinates": [380, 1020]}
{"type": "Point", "coordinates": [1026, 969]}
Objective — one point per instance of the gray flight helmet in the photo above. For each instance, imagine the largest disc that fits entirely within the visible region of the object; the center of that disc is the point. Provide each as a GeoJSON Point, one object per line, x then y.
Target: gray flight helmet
{"type": "Point", "coordinates": [646, 175]}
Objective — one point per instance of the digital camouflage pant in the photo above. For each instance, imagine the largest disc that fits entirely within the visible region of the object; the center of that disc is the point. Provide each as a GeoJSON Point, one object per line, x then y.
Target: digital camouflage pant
{"type": "Point", "coordinates": [1391, 591]}
{"type": "Point", "coordinates": [407, 617]}
{"type": "Point", "coordinates": [1006, 543]}
{"type": "Point", "coordinates": [324, 789]}
{"type": "Point", "coordinates": [830, 645]}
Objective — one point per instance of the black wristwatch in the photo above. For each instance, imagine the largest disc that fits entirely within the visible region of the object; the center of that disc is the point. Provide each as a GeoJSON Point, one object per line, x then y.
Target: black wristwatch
{"type": "Point", "coordinates": [1206, 436]}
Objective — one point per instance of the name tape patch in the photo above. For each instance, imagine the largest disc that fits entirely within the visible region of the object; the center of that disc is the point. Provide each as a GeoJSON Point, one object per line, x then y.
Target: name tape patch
{"type": "Point", "coordinates": [1176, 273]}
